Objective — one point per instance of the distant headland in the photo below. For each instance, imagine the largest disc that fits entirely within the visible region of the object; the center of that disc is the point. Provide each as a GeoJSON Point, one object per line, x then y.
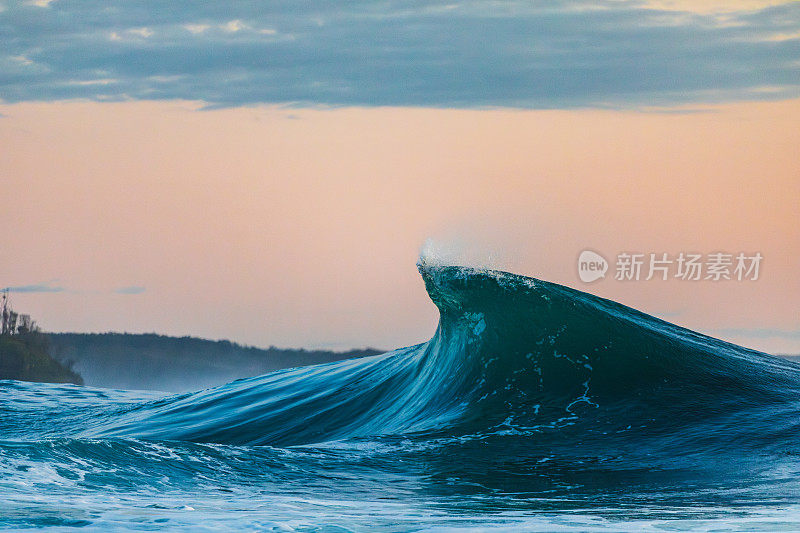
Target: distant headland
{"type": "Point", "coordinates": [24, 350]}
{"type": "Point", "coordinates": [175, 364]}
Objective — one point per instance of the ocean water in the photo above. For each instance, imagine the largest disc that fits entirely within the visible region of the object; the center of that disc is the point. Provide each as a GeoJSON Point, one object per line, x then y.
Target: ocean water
{"type": "Point", "coordinates": [534, 407]}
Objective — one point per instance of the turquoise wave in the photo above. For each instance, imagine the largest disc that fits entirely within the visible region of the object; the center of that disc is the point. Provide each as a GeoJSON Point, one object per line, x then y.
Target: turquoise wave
{"type": "Point", "coordinates": [511, 354]}
{"type": "Point", "coordinates": [534, 407]}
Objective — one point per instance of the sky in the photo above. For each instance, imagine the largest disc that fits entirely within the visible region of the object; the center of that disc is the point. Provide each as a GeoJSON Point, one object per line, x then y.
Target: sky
{"type": "Point", "coordinates": [270, 172]}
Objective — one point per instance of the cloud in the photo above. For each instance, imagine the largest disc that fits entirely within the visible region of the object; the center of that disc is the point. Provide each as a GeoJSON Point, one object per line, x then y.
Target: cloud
{"type": "Point", "coordinates": [141, 32]}
{"type": "Point", "coordinates": [48, 287]}
{"type": "Point", "coordinates": [133, 289]}
{"type": "Point", "coordinates": [560, 54]}
{"type": "Point", "coordinates": [196, 28]}
{"type": "Point", "coordinates": [709, 6]}
{"type": "Point", "coordinates": [234, 25]}
{"type": "Point", "coordinates": [41, 287]}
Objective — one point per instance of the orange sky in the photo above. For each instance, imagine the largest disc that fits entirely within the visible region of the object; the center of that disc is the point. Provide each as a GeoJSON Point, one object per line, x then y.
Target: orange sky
{"type": "Point", "coordinates": [302, 227]}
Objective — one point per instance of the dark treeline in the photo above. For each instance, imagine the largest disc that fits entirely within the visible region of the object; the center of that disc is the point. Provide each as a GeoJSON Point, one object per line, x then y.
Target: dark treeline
{"type": "Point", "coordinates": [158, 362]}
{"type": "Point", "coordinates": [24, 357]}
{"type": "Point", "coordinates": [24, 350]}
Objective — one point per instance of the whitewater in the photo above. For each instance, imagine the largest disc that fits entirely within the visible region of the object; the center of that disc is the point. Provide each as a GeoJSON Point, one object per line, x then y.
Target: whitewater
{"type": "Point", "coordinates": [534, 407]}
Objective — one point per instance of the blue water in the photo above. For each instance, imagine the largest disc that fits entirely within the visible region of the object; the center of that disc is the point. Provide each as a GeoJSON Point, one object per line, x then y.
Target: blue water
{"type": "Point", "coordinates": [534, 407]}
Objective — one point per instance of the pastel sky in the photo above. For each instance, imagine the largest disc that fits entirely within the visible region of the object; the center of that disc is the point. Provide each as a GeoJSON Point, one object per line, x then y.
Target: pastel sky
{"type": "Point", "coordinates": [268, 172]}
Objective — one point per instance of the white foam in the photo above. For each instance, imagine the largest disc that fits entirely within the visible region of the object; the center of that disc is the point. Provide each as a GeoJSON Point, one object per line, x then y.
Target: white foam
{"type": "Point", "coordinates": [457, 252]}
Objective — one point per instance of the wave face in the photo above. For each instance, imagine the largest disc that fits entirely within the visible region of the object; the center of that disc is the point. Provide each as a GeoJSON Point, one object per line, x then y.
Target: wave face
{"type": "Point", "coordinates": [531, 397]}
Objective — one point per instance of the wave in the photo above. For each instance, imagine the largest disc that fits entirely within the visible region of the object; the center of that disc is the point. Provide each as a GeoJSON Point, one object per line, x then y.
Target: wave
{"type": "Point", "coordinates": [532, 407]}
{"type": "Point", "coordinates": [511, 355]}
